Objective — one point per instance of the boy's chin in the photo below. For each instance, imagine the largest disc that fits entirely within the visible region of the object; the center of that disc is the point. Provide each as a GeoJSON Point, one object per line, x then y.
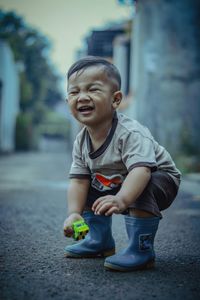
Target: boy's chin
{"type": "Point", "coordinates": [86, 121]}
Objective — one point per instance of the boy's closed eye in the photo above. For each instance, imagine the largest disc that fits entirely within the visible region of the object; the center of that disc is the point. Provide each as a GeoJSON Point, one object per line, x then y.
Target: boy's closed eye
{"type": "Point", "coordinates": [94, 89]}
{"type": "Point", "coordinates": [72, 93]}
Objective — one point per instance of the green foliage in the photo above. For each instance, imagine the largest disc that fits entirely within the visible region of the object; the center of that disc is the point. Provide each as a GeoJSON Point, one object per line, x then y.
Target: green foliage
{"type": "Point", "coordinates": [39, 83]}
{"type": "Point", "coordinates": [24, 131]}
{"type": "Point", "coordinates": [188, 163]}
{"type": "Point", "coordinates": [186, 139]}
{"type": "Point", "coordinates": [26, 89]}
{"type": "Point", "coordinates": [54, 125]}
{"type": "Point", "coordinates": [187, 157]}
{"type": "Point", "coordinates": [31, 49]}
{"type": "Point", "coordinates": [40, 110]}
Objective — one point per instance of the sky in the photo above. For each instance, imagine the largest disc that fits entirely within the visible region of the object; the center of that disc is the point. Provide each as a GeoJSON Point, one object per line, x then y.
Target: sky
{"type": "Point", "coordinates": [66, 22]}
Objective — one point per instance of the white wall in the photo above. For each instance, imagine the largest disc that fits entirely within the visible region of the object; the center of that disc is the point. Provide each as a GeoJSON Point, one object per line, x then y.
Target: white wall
{"type": "Point", "coordinates": [9, 102]}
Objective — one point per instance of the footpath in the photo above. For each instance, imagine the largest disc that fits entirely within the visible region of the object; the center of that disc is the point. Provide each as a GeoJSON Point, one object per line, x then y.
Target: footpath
{"type": "Point", "coordinates": [32, 265]}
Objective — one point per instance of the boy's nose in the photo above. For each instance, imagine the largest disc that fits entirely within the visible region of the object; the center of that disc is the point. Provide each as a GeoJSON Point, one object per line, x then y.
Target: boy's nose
{"type": "Point", "coordinates": [83, 96]}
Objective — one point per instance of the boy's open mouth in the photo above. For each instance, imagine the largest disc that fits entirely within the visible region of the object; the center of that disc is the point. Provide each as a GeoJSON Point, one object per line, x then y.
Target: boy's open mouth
{"type": "Point", "coordinates": [85, 108]}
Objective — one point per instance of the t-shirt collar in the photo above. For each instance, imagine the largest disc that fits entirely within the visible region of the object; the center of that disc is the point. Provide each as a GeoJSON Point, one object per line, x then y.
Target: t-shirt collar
{"type": "Point", "coordinates": [104, 146]}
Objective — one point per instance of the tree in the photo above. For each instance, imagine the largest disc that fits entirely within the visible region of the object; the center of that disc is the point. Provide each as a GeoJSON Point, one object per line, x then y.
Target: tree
{"type": "Point", "coordinates": [38, 79]}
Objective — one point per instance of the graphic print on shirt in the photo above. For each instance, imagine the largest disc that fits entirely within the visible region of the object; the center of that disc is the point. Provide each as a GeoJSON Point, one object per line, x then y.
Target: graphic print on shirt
{"type": "Point", "coordinates": [105, 183]}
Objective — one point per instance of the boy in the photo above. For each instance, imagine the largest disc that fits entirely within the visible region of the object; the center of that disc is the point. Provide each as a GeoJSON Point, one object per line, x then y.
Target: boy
{"type": "Point", "coordinates": [117, 167]}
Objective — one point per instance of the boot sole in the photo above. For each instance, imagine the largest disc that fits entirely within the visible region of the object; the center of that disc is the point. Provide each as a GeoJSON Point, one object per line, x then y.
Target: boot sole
{"type": "Point", "coordinates": [146, 266]}
{"type": "Point", "coordinates": [105, 253]}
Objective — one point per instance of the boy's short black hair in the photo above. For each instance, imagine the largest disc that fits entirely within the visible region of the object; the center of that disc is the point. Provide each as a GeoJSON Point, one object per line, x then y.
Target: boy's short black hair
{"type": "Point", "coordinates": [89, 61]}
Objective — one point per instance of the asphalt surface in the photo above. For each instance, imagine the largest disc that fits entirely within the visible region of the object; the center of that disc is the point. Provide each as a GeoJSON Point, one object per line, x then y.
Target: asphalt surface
{"type": "Point", "coordinates": [32, 210]}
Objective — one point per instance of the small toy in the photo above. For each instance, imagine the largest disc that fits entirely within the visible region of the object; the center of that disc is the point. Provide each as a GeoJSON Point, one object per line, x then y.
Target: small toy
{"type": "Point", "coordinates": [80, 229]}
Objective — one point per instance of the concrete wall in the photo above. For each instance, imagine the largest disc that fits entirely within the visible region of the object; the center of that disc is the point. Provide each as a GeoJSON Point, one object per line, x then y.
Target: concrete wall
{"type": "Point", "coordinates": [9, 98]}
{"type": "Point", "coordinates": [165, 68]}
{"type": "Point", "coordinates": [120, 59]}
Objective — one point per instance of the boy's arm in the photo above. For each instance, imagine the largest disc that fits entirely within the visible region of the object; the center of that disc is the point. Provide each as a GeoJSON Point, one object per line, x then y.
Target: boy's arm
{"type": "Point", "coordinates": [76, 197]}
{"type": "Point", "coordinates": [131, 189]}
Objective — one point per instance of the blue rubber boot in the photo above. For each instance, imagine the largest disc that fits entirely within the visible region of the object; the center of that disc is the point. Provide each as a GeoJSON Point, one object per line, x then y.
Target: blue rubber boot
{"type": "Point", "coordinates": [140, 252]}
{"type": "Point", "coordinates": [98, 242]}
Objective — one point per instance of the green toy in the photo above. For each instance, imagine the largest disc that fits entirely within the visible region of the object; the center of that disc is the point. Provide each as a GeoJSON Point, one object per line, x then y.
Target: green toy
{"type": "Point", "coordinates": [80, 229]}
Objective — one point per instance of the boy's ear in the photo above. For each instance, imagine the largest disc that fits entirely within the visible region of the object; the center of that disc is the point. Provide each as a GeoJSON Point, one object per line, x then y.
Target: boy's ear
{"type": "Point", "coordinates": [117, 98]}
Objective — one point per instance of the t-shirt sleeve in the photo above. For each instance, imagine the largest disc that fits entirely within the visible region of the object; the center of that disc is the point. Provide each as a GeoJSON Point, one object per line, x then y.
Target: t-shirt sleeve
{"type": "Point", "coordinates": [138, 151]}
{"type": "Point", "coordinates": [78, 166]}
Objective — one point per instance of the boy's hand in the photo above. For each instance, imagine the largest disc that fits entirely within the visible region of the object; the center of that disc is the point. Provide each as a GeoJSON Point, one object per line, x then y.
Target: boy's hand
{"type": "Point", "coordinates": [68, 230]}
{"type": "Point", "coordinates": [108, 205]}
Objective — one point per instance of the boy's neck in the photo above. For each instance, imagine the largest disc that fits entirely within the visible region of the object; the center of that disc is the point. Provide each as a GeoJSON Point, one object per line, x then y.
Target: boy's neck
{"type": "Point", "coordinates": [99, 134]}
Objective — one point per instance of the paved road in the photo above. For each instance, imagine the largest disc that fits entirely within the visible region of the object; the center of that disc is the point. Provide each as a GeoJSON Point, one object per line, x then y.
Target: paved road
{"type": "Point", "coordinates": [32, 210]}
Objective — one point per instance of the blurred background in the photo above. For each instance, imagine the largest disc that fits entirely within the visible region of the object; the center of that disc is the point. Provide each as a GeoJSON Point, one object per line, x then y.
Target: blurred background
{"type": "Point", "coordinates": [155, 44]}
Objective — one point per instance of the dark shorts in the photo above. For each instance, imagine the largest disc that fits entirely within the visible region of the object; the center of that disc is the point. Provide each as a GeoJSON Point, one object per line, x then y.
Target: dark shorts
{"type": "Point", "coordinates": [157, 196]}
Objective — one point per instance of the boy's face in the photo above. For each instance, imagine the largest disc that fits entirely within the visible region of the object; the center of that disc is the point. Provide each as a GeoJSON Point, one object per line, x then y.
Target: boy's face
{"type": "Point", "coordinates": [91, 96]}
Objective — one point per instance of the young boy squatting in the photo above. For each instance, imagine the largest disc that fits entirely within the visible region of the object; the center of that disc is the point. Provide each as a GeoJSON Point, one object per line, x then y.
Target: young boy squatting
{"type": "Point", "coordinates": [117, 168]}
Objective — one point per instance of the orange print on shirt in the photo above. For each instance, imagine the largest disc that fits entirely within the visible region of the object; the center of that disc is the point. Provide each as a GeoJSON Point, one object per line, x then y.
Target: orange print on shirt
{"type": "Point", "coordinates": [106, 181]}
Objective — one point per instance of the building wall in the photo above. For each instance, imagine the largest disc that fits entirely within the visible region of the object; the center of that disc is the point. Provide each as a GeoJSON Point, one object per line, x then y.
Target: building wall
{"type": "Point", "coordinates": [121, 55]}
{"type": "Point", "coordinates": [9, 98]}
{"type": "Point", "coordinates": [166, 71]}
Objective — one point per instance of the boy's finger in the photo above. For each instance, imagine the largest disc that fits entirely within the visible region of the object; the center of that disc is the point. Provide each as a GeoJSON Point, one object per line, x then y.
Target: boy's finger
{"type": "Point", "coordinates": [112, 210]}
{"type": "Point", "coordinates": [103, 208]}
{"type": "Point", "coordinates": [96, 203]}
{"type": "Point", "coordinates": [100, 202]}
{"type": "Point", "coordinates": [105, 201]}
{"type": "Point", "coordinates": [68, 231]}
{"type": "Point", "coordinates": [99, 206]}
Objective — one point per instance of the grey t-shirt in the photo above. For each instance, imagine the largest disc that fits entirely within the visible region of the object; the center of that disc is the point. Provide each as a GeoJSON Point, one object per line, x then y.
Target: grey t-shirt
{"type": "Point", "coordinates": [128, 145]}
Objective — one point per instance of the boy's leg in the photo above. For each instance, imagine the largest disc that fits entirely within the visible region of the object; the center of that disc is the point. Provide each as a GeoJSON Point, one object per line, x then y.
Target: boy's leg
{"type": "Point", "coordinates": [157, 196]}
{"type": "Point", "coordinates": [99, 240]}
{"type": "Point", "coordinates": [141, 222]}
{"type": "Point", "coordinates": [140, 251]}
{"type": "Point", "coordinates": [134, 212]}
